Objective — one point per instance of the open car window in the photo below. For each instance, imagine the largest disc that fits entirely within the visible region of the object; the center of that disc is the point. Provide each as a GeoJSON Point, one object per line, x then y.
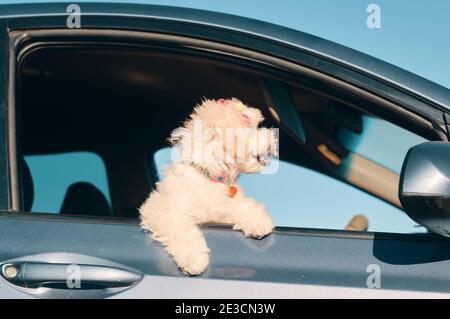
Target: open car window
{"type": "Point", "coordinates": [297, 196]}
{"type": "Point", "coordinates": [105, 148]}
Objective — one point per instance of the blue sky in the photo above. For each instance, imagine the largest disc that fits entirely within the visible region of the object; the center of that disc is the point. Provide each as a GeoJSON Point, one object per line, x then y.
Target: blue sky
{"type": "Point", "coordinates": [415, 35]}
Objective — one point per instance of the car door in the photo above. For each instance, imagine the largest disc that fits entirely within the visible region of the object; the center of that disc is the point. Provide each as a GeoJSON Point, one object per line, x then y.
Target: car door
{"type": "Point", "coordinates": [55, 256]}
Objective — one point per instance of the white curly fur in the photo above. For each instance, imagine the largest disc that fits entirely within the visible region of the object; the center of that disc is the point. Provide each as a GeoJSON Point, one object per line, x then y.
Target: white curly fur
{"type": "Point", "coordinates": [187, 198]}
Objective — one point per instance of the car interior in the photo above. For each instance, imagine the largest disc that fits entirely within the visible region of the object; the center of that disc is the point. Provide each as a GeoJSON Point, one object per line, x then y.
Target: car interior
{"type": "Point", "coordinates": [121, 103]}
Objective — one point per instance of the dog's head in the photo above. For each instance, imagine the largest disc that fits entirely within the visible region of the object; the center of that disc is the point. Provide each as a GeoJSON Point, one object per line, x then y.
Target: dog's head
{"type": "Point", "coordinates": [223, 136]}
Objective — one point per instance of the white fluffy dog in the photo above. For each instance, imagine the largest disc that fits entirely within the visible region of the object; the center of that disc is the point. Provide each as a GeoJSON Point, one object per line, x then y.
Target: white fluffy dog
{"type": "Point", "coordinates": [219, 141]}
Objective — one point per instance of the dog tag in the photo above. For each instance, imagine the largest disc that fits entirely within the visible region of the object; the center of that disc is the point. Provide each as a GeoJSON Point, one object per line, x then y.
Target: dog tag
{"type": "Point", "coordinates": [232, 190]}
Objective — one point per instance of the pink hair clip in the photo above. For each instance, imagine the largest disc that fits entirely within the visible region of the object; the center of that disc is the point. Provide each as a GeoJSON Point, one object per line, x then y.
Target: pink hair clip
{"type": "Point", "coordinates": [247, 119]}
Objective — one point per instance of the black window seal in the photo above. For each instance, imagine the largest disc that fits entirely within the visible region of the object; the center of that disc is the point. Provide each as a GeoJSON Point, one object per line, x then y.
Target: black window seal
{"type": "Point", "coordinates": [4, 99]}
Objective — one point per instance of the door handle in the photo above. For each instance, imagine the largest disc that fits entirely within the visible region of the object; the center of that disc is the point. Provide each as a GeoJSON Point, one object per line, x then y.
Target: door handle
{"type": "Point", "coordinates": [67, 276]}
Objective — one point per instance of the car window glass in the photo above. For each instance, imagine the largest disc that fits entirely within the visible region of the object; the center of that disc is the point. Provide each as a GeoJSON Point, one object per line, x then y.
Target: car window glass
{"type": "Point", "coordinates": [383, 142]}
{"type": "Point", "coordinates": [53, 174]}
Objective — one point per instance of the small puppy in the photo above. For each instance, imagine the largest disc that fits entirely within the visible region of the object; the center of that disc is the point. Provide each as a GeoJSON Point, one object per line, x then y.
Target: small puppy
{"type": "Point", "coordinates": [219, 141]}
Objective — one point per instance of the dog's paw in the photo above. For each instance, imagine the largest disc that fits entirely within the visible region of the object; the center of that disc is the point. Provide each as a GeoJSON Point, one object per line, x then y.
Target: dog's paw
{"type": "Point", "coordinates": [257, 228]}
{"type": "Point", "coordinates": [192, 264]}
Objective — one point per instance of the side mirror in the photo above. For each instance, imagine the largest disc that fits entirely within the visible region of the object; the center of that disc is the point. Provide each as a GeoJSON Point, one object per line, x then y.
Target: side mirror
{"type": "Point", "coordinates": [424, 189]}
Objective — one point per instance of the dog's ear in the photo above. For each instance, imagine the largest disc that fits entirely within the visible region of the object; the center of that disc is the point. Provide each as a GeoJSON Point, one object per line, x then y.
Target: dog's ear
{"type": "Point", "coordinates": [255, 116]}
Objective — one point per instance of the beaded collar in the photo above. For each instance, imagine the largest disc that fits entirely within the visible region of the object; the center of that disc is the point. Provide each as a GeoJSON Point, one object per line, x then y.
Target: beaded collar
{"type": "Point", "coordinates": [221, 178]}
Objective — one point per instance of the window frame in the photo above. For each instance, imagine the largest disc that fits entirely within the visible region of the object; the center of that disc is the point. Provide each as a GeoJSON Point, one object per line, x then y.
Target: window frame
{"type": "Point", "coordinates": [5, 100]}
{"type": "Point", "coordinates": [23, 41]}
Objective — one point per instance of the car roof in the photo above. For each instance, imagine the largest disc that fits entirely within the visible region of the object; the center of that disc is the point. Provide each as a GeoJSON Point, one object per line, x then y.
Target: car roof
{"type": "Point", "coordinates": [325, 49]}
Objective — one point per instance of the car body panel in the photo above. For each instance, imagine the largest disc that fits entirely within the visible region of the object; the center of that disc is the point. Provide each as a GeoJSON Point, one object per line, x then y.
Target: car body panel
{"type": "Point", "coordinates": [310, 258]}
